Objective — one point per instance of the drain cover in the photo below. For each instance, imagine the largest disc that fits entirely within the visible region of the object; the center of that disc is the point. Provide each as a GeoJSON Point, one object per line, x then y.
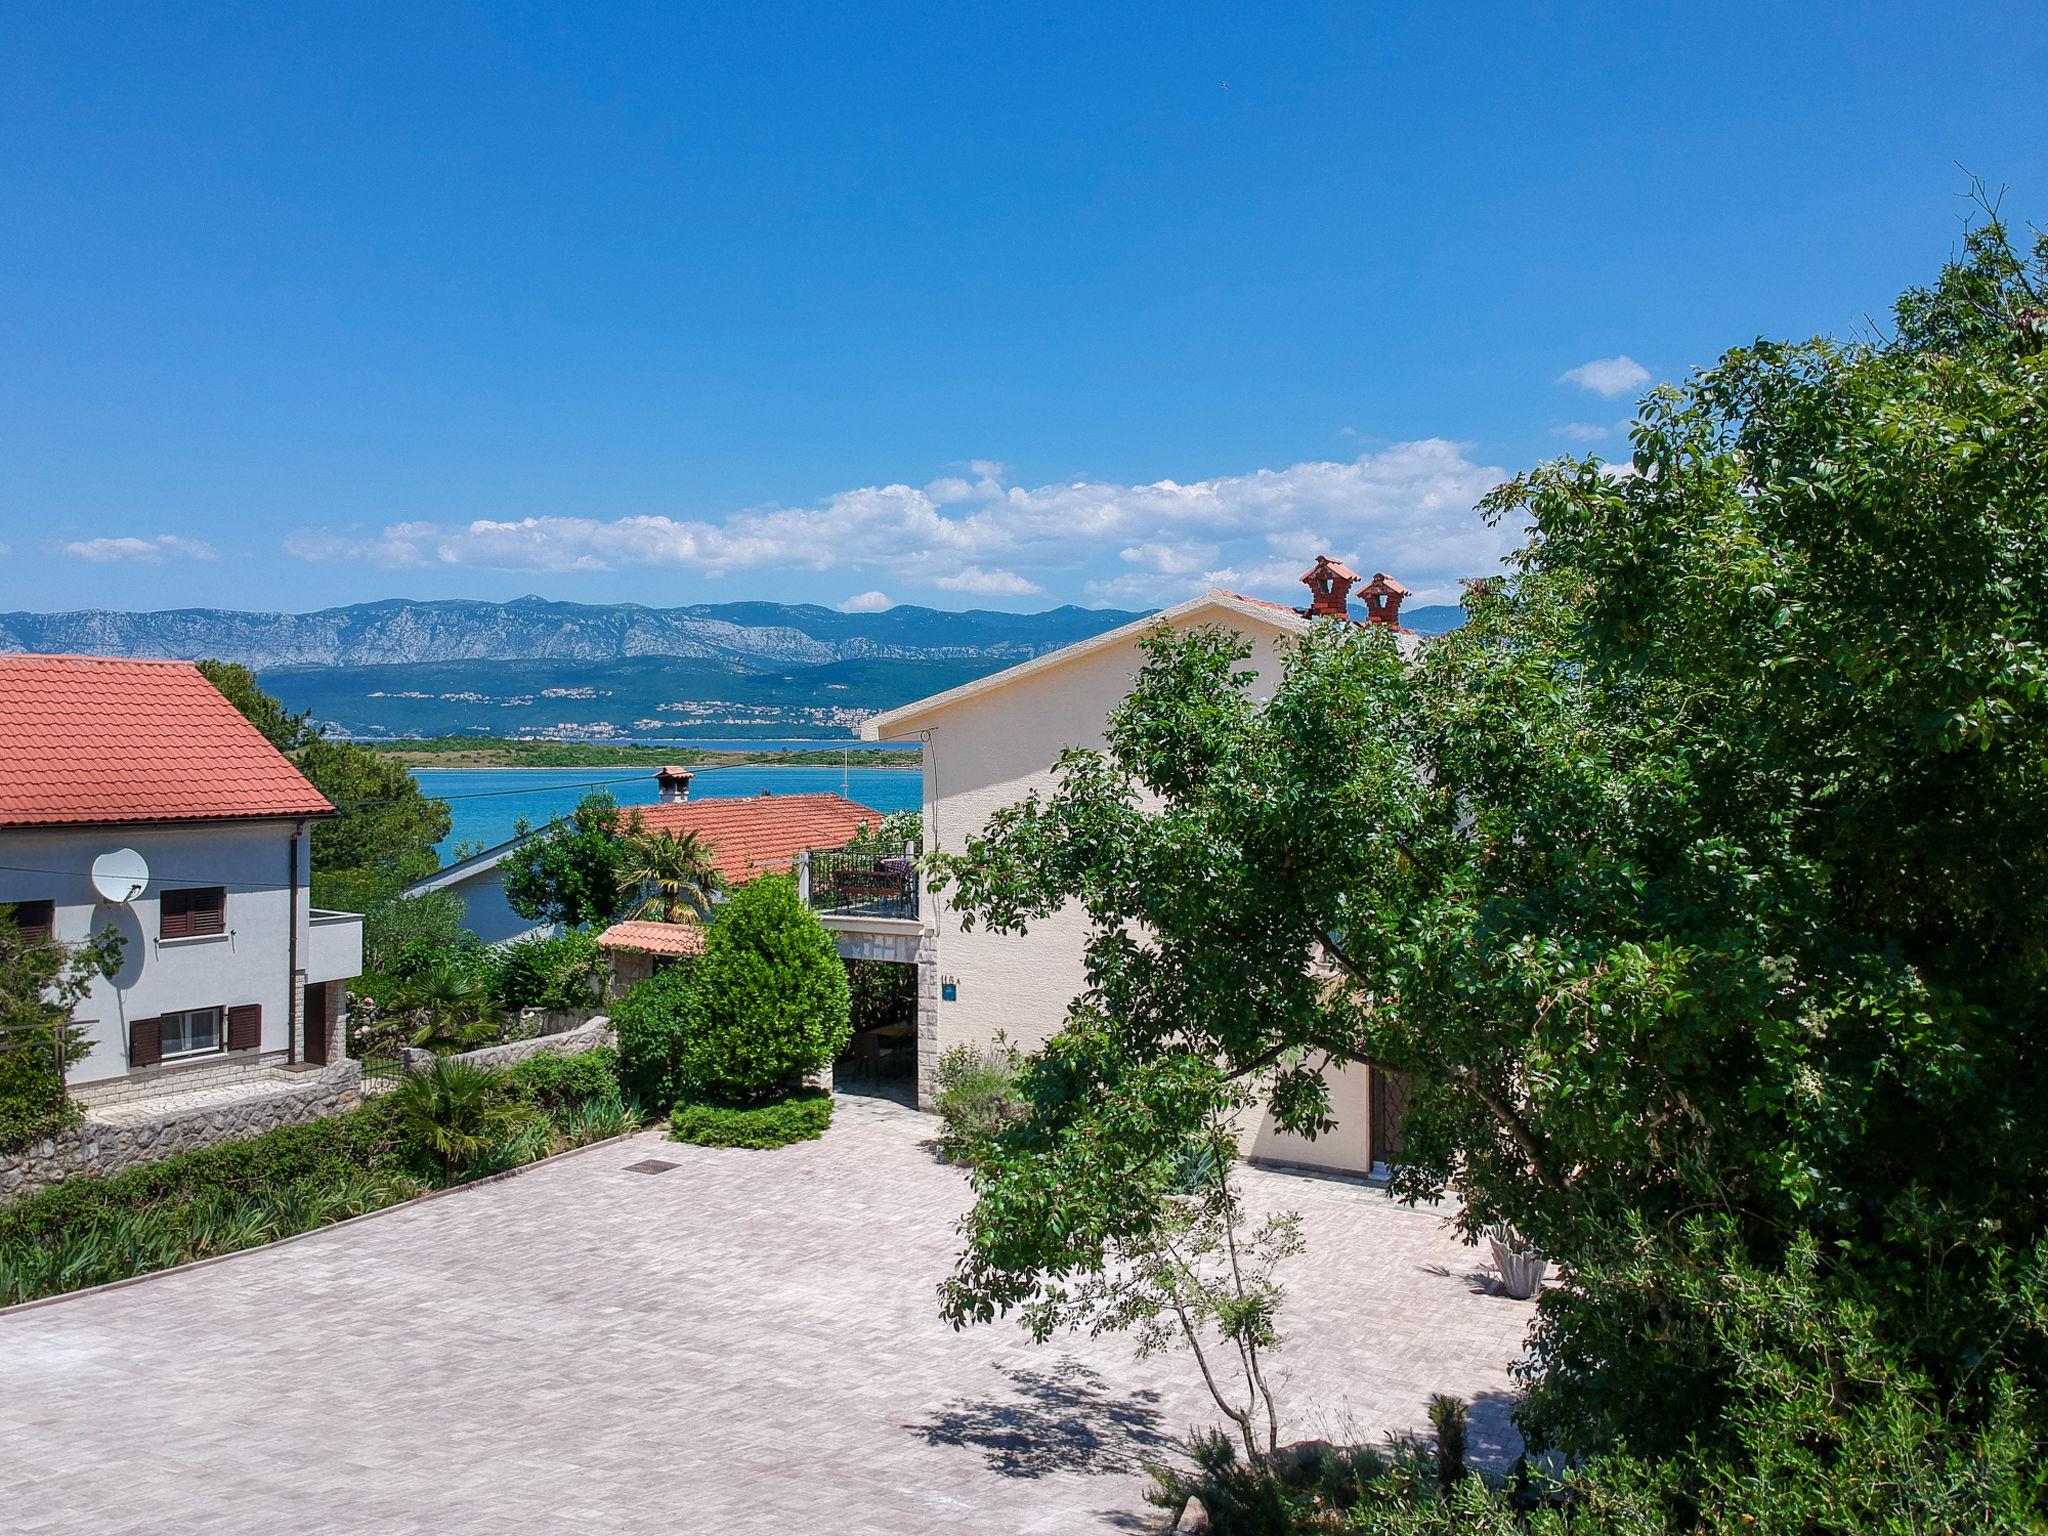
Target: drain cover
{"type": "Point", "coordinates": [651, 1165]}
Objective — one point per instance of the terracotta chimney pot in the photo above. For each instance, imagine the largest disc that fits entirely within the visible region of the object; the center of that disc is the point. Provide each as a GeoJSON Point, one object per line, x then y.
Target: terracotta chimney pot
{"type": "Point", "coordinates": [674, 784]}
{"type": "Point", "coordinates": [1329, 583]}
{"type": "Point", "coordinates": [1382, 597]}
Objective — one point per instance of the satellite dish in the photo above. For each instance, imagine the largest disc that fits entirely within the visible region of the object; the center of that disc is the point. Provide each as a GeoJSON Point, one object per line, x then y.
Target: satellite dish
{"type": "Point", "coordinates": [120, 876]}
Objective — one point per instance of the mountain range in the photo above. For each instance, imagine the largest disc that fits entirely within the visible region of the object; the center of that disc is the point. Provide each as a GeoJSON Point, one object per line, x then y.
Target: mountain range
{"type": "Point", "coordinates": [531, 666]}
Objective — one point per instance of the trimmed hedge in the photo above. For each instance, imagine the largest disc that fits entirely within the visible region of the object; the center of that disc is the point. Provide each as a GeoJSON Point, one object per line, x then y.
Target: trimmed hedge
{"type": "Point", "coordinates": [803, 1116]}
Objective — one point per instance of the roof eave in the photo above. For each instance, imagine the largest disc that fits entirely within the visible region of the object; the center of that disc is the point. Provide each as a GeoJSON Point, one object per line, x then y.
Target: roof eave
{"type": "Point", "coordinates": [899, 723]}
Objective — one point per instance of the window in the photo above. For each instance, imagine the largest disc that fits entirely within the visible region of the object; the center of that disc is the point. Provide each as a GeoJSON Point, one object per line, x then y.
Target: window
{"type": "Point", "coordinates": [37, 920]}
{"type": "Point", "coordinates": [196, 1029]}
{"type": "Point", "coordinates": [189, 913]}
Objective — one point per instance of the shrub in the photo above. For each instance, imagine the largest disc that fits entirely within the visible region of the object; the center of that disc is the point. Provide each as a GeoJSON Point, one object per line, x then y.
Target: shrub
{"type": "Point", "coordinates": [977, 1097]}
{"type": "Point", "coordinates": [455, 1113]}
{"type": "Point", "coordinates": [333, 1150]}
{"type": "Point", "coordinates": [651, 1021]}
{"type": "Point", "coordinates": [803, 1116]}
{"type": "Point", "coordinates": [33, 1100]}
{"type": "Point", "coordinates": [768, 998]}
{"type": "Point", "coordinates": [554, 1082]}
{"type": "Point", "coordinates": [561, 973]}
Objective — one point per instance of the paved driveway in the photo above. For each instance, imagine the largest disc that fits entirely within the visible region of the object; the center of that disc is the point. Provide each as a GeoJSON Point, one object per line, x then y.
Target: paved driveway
{"type": "Point", "coordinates": [745, 1343]}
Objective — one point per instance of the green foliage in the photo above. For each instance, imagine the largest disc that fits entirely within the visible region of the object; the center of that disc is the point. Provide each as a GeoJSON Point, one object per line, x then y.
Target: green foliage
{"type": "Point", "coordinates": [802, 1116]}
{"type": "Point", "coordinates": [88, 1230]}
{"type": "Point", "coordinates": [404, 937]}
{"type": "Point", "coordinates": [896, 831]}
{"type": "Point", "coordinates": [977, 1096]}
{"type": "Point", "coordinates": [880, 992]}
{"type": "Point", "coordinates": [456, 1113]}
{"type": "Point", "coordinates": [572, 871]}
{"type": "Point", "coordinates": [561, 973]}
{"type": "Point", "coordinates": [768, 998]}
{"type": "Point", "coordinates": [40, 984]}
{"type": "Point", "coordinates": [678, 876]}
{"type": "Point", "coordinates": [1705, 870]}
{"type": "Point", "coordinates": [385, 835]}
{"type": "Point", "coordinates": [362, 1140]}
{"type": "Point", "coordinates": [652, 1020]}
{"type": "Point", "coordinates": [553, 1082]}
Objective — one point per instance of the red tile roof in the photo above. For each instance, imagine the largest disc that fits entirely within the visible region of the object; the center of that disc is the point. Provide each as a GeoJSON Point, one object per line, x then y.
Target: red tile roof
{"type": "Point", "coordinates": [752, 834]}
{"type": "Point", "coordinates": [91, 739]}
{"type": "Point", "coordinates": [650, 938]}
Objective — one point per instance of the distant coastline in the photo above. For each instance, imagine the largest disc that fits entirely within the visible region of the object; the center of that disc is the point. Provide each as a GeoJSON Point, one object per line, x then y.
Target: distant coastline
{"type": "Point", "coordinates": [475, 752]}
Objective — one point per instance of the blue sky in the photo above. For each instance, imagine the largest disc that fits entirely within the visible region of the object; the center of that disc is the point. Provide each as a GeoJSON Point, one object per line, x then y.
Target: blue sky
{"type": "Point", "coordinates": [966, 306]}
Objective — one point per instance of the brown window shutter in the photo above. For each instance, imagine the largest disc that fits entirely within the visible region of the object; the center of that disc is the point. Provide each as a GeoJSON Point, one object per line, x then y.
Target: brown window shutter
{"type": "Point", "coordinates": [36, 921]}
{"type": "Point", "coordinates": [188, 913]}
{"type": "Point", "coordinates": [210, 910]}
{"type": "Point", "coordinates": [145, 1042]}
{"type": "Point", "coordinates": [245, 1026]}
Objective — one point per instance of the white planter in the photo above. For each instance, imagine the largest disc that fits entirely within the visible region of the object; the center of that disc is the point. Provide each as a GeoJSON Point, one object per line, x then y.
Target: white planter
{"type": "Point", "coordinates": [1521, 1268]}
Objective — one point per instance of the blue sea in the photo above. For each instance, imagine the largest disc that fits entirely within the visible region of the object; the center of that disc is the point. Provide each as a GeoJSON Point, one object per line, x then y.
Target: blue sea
{"type": "Point", "coordinates": [488, 803]}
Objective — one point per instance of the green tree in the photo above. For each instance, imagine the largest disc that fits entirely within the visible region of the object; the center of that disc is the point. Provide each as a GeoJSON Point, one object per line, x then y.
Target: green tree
{"type": "Point", "coordinates": [677, 874]}
{"type": "Point", "coordinates": [1701, 880]}
{"type": "Point", "coordinates": [768, 997]}
{"type": "Point", "coordinates": [41, 983]}
{"type": "Point", "coordinates": [573, 870]}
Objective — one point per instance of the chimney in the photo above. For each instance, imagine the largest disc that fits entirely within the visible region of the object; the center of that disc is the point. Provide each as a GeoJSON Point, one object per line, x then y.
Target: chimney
{"type": "Point", "coordinates": [1329, 584]}
{"type": "Point", "coordinates": [1382, 597]}
{"type": "Point", "coordinates": [674, 784]}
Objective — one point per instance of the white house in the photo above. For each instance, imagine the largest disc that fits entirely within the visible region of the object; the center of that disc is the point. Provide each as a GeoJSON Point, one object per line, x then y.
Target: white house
{"type": "Point", "coordinates": [990, 743]}
{"type": "Point", "coordinates": [200, 831]}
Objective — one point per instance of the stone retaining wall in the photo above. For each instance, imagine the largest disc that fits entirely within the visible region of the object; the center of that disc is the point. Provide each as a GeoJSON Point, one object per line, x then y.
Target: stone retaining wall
{"type": "Point", "coordinates": [569, 1042]}
{"type": "Point", "coordinates": [113, 1145]}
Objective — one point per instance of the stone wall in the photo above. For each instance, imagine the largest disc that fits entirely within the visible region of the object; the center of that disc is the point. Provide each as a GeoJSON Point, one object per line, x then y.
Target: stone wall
{"type": "Point", "coordinates": [568, 1042]}
{"type": "Point", "coordinates": [130, 1137]}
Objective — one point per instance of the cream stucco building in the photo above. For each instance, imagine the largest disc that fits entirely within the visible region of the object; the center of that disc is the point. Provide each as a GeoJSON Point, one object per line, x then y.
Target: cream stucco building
{"type": "Point", "coordinates": [990, 743]}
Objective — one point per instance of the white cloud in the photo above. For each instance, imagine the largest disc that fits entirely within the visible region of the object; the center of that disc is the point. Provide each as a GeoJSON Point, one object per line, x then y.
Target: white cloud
{"type": "Point", "coordinates": [973, 578]}
{"type": "Point", "coordinates": [1607, 376]}
{"type": "Point", "coordinates": [165, 546]}
{"type": "Point", "coordinates": [1406, 508]}
{"type": "Point", "coordinates": [867, 602]}
{"type": "Point", "coordinates": [1589, 431]}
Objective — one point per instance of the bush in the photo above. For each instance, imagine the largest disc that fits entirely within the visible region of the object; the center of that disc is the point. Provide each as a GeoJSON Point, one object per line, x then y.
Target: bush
{"type": "Point", "coordinates": [334, 1148]}
{"type": "Point", "coordinates": [803, 1116]}
{"type": "Point", "coordinates": [977, 1097]}
{"type": "Point", "coordinates": [651, 1020]}
{"type": "Point", "coordinates": [554, 1082]}
{"type": "Point", "coordinates": [33, 1100]}
{"type": "Point", "coordinates": [561, 973]}
{"type": "Point", "coordinates": [768, 998]}
{"type": "Point", "coordinates": [456, 1113]}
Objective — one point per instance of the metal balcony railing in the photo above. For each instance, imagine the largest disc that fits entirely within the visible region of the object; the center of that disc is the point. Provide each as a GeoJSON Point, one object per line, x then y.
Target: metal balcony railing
{"type": "Point", "coordinates": [862, 884]}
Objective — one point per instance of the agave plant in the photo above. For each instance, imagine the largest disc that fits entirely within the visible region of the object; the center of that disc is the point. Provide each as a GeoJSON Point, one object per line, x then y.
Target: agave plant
{"type": "Point", "coordinates": [678, 874]}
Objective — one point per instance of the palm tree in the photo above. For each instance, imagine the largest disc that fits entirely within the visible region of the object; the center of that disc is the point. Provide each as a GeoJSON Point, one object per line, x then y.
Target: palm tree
{"type": "Point", "coordinates": [678, 874]}
{"type": "Point", "coordinates": [455, 1111]}
{"type": "Point", "coordinates": [450, 1007]}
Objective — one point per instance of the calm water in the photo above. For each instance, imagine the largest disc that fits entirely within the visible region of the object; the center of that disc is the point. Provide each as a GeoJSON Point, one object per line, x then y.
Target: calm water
{"type": "Point", "coordinates": [487, 803]}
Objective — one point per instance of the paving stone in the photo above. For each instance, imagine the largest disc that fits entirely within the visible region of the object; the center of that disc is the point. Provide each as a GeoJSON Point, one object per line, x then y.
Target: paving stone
{"type": "Point", "coordinates": [747, 1342]}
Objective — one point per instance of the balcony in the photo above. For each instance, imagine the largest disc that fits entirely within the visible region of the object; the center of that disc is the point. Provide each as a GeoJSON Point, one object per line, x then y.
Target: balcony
{"type": "Point", "coordinates": [334, 947]}
{"type": "Point", "coordinates": [866, 885]}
